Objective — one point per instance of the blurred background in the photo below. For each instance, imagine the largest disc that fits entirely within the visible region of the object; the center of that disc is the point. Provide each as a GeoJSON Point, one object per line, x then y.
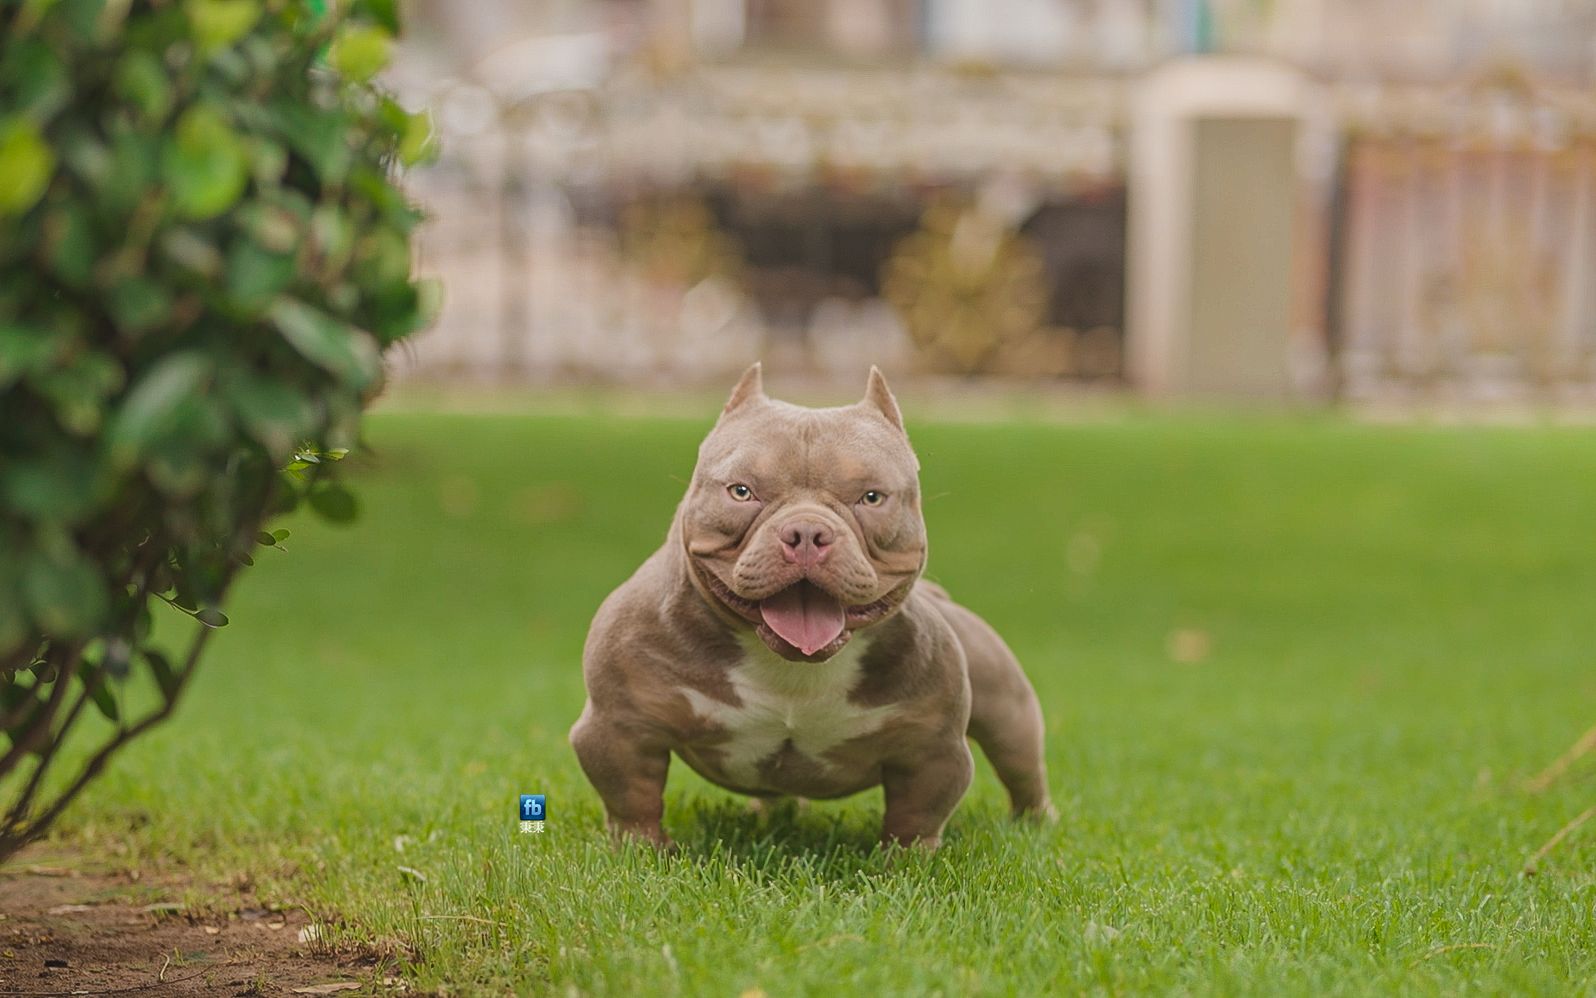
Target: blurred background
{"type": "Point", "coordinates": [1360, 199]}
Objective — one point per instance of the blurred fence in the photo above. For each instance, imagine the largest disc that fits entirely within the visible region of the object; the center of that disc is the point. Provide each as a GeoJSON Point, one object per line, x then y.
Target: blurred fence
{"type": "Point", "coordinates": [672, 229]}
{"type": "Point", "coordinates": [1467, 251]}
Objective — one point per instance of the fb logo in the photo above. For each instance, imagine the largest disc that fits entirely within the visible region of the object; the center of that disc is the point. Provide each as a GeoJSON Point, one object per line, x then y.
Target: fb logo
{"type": "Point", "coordinates": [531, 807]}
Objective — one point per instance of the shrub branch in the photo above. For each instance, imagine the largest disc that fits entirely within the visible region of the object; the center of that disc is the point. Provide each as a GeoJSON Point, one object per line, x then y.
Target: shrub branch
{"type": "Point", "coordinates": [18, 831]}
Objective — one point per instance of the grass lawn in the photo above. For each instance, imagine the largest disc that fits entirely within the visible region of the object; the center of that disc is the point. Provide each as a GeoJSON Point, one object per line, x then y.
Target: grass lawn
{"type": "Point", "coordinates": [1293, 671]}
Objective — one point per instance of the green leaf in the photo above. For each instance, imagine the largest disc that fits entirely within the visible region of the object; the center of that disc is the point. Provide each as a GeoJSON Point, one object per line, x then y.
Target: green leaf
{"type": "Point", "coordinates": [161, 667]}
{"type": "Point", "coordinates": [180, 458]}
{"type": "Point", "coordinates": [272, 410]}
{"type": "Point", "coordinates": [220, 23]}
{"type": "Point", "coordinates": [387, 202]}
{"type": "Point", "coordinates": [287, 498]}
{"type": "Point", "coordinates": [23, 351]}
{"type": "Point", "coordinates": [335, 503]}
{"type": "Point", "coordinates": [384, 12]}
{"type": "Point", "coordinates": [142, 81]}
{"type": "Point", "coordinates": [14, 690]}
{"type": "Point", "coordinates": [137, 305]}
{"type": "Point", "coordinates": [130, 169]}
{"type": "Point", "coordinates": [12, 695]}
{"type": "Point", "coordinates": [152, 407]}
{"type": "Point", "coordinates": [321, 138]}
{"type": "Point", "coordinates": [256, 275]}
{"type": "Point", "coordinates": [397, 310]}
{"type": "Point", "coordinates": [350, 354]}
{"type": "Point", "coordinates": [72, 248]}
{"type": "Point", "coordinates": [78, 389]}
{"type": "Point", "coordinates": [383, 259]}
{"type": "Point", "coordinates": [59, 487]}
{"type": "Point", "coordinates": [418, 143]}
{"type": "Point", "coordinates": [204, 164]}
{"type": "Point", "coordinates": [102, 696]}
{"type": "Point", "coordinates": [361, 51]}
{"type": "Point", "coordinates": [279, 535]}
{"type": "Point", "coordinates": [13, 620]}
{"type": "Point", "coordinates": [64, 593]}
{"type": "Point", "coordinates": [26, 165]}
{"type": "Point", "coordinates": [38, 83]}
{"type": "Point", "coordinates": [211, 617]}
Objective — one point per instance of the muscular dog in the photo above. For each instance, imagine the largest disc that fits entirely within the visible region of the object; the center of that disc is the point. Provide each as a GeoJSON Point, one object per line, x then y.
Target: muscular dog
{"type": "Point", "coordinates": [782, 642]}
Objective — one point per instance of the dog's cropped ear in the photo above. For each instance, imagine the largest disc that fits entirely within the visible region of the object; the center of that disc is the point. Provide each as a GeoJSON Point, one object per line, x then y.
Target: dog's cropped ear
{"type": "Point", "coordinates": [878, 396]}
{"type": "Point", "coordinates": [750, 388]}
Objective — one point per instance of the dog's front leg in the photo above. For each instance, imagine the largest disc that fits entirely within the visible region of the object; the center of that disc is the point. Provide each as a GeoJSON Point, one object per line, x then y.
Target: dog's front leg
{"type": "Point", "coordinates": [629, 776]}
{"type": "Point", "coordinates": [920, 795]}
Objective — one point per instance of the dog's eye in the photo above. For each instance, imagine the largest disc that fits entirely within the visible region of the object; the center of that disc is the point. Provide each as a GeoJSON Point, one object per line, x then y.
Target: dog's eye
{"type": "Point", "coordinates": [873, 498]}
{"type": "Point", "coordinates": [740, 492]}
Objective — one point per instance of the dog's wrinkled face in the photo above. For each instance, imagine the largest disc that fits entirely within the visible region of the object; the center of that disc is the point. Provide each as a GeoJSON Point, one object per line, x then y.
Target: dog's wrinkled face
{"type": "Point", "coordinates": [805, 523]}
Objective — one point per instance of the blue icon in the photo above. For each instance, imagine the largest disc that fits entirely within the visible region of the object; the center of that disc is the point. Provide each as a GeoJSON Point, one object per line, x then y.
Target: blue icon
{"type": "Point", "coordinates": [531, 807]}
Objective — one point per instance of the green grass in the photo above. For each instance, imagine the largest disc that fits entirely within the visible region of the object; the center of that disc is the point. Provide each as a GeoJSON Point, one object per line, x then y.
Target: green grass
{"type": "Point", "coordinates": [1401, 626]}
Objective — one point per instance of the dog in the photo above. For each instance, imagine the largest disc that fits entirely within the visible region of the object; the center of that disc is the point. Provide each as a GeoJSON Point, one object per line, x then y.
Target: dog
{"type": "Point", "coordinates": [783, 643]}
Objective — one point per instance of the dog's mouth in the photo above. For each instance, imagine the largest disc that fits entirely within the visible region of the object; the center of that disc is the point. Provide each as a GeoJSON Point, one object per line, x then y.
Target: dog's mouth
{"type": "Point", "coordinates": [804, 620]}
{"type": "Point", "coordinates": [805, 616]}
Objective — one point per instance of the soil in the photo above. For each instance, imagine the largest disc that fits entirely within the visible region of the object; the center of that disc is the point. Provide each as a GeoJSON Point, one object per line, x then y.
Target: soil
{"type": "Point", "coordinates": [66, 929]}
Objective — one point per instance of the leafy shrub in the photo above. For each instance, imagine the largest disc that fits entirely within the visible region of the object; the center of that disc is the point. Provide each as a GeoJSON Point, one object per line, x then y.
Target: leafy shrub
{"type": "Point", "coordinates": [202, 258]}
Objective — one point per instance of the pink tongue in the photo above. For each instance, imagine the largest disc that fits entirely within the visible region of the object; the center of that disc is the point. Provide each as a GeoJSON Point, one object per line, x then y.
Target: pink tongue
{"type": "Point", "coordinates": [804, 616]}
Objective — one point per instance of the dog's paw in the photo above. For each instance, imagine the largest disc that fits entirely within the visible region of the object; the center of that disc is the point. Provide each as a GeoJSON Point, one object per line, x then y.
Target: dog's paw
{"type": "Point", "coordinates": [911, 845]}
{"type": "Point", "coordinates": [653, 836]}
{"type": "Point", "coordinates": [1037, 814]}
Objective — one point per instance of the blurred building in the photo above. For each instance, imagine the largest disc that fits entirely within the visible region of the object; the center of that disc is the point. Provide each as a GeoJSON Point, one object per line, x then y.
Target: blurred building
{"type": "Point", "coordinates": [1392, 39]}
{"type": "Point", "coordinates": [662, 189]}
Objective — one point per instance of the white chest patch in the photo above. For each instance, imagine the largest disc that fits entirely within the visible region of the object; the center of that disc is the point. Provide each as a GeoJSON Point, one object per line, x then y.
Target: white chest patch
{"type": "Point", "coordinates": [780, 701]}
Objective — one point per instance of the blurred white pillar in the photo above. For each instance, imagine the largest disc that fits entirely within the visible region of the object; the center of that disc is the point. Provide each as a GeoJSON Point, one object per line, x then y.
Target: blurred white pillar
{"type": "Point", "coordinates": [1215, 190]}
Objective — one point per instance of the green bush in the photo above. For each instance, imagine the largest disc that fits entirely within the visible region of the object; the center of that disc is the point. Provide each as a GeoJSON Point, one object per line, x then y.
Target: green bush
{"type": "Point", "coordinates": [202, 259]}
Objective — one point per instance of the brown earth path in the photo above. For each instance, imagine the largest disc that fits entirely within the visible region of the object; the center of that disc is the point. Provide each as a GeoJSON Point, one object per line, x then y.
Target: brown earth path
{"type": "Point", "coordinates": [67, 928]}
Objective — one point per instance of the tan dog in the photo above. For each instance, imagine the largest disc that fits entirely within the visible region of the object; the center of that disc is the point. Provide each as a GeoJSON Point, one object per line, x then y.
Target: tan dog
{"type": "Point", "coordinates": [781, 642]}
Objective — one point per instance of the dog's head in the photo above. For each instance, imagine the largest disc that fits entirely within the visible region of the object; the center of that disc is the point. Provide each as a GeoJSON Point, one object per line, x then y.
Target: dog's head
{"type": "Point", "coordinates": [805, 523]}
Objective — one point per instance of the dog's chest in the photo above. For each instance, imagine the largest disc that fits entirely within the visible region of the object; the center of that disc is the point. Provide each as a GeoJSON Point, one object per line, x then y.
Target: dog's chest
{"type": "Point", "coordinates": [784, 706]}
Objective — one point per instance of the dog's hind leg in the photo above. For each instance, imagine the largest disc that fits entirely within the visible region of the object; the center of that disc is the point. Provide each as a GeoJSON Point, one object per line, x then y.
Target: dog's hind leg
{"type": "Point", "coordinates": [1005, 717]}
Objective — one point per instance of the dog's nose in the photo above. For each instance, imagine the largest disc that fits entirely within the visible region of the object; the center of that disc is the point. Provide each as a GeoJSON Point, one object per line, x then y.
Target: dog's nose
{"type": "Point", "coordinates": [806, 542]}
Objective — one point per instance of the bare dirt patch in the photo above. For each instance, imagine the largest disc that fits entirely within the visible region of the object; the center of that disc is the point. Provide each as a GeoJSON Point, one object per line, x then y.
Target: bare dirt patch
{"type": "Point", "coordinates": [68, 929]}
